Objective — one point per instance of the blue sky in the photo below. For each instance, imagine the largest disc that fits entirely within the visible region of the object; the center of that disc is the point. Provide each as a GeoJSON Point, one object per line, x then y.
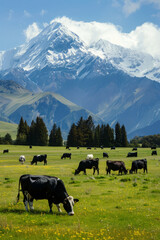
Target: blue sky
{"type": "Point", "coordinates": [17, 15]}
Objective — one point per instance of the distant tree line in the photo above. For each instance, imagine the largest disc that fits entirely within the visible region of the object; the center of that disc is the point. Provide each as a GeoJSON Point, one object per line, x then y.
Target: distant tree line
{"type": "Point", "coordinates": [85, 134]}
{"type": "Point", "coordinates": [146, 141]}
{"type": "Point", "coordinates": [7, 139]}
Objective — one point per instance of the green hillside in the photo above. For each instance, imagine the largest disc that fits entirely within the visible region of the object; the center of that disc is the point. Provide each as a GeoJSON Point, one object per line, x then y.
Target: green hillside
{"type": "Point", "coordinates": [8, 128]}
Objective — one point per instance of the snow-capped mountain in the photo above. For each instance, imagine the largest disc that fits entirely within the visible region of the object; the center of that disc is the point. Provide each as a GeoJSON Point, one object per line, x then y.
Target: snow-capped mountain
{"type": "Point", "coordinates": [109, 80]}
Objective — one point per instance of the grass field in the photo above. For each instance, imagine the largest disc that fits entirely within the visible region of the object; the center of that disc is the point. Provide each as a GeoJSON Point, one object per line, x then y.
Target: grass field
{"type": "Point", "coordinates": [110, 207]}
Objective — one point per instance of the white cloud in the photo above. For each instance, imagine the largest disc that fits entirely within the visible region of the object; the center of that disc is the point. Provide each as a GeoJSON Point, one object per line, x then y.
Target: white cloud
{"type": "Point", "coordinates": [27, 14]}
{"type": "Point", "coordinates": [145, 38]}
{"type": "Point", "coordinates": [32, 31]}
{"type": "Point", "coordinates": [131, 7]}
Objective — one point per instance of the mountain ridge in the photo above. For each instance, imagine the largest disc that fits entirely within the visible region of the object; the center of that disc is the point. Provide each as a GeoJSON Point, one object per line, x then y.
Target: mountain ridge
{"type": "Point", "coordinates": [110, 81]}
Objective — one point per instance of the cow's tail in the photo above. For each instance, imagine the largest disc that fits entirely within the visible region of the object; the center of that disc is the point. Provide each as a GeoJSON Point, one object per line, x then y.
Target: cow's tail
{"type": "Point", "coordinates": [18, 196]}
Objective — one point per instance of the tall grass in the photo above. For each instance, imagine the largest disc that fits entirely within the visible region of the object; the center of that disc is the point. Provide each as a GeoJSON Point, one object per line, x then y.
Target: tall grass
{"type": "Point", "coordinates": [110, 207]}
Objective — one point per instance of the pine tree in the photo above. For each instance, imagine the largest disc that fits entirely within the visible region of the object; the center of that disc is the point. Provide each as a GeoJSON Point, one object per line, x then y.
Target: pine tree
{"type": "Point", "coordinates": [72, 136]}
{"type": "Point", "coordinates": [97, 136]}
{"type": "Point", "coordinates": [59, 139]}
{"type": "Point", "coordinates": [52, 137]}
{"type": "Point", "coordinates": [124, 142]}
{"type": "Point", "coordinates": [22, 133]}
{"type": "Point", "coordinates": [32, 134]}
{"type": "Point", "coordinates": [41, 132]}
{"type": "Point", "coordinates": [118, 135]}
{"type": "Point", "coordinates": [8, 139]}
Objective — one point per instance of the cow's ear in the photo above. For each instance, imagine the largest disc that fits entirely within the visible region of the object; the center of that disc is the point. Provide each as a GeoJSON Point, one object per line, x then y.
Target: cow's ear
{"type": "Point", "coordinates": [76, 200]}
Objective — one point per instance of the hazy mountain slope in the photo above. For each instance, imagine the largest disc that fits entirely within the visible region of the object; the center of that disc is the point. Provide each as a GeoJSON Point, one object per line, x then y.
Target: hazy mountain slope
{"type": "Point", "coordinates": [16, 101]}
{"type": "Point", "coordinates": [10, 128]}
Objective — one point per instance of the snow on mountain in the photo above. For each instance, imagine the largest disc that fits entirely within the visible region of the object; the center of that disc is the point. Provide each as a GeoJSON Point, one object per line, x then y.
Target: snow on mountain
{"type": "Point", "coordinates": [57, 46]}
{"type": "Point", "coordinates": [130, 61]}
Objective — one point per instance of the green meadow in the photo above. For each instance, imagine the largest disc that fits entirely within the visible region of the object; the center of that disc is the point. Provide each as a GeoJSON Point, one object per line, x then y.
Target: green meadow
{"type": "Point", "coordinates": [121, 207]}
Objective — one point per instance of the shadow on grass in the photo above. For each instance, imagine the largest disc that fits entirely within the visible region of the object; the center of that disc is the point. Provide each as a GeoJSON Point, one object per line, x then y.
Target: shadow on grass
{"type": "Point", "coordinates": [35, 212]}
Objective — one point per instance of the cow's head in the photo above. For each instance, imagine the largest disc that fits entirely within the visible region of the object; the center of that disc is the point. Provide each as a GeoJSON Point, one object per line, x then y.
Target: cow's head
{"type": "Point", "coordinates": [68, 204]}
{"type": "Point", "coordinates": [76, 172]}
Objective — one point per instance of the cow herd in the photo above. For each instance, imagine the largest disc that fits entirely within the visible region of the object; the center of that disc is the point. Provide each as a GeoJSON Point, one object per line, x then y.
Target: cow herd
{"type": "Point", "coordinates": [53, 189]}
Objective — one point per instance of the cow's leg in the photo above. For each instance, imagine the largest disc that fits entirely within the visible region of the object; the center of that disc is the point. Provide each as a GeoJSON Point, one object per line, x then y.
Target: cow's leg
{"type": "Point", "coordinates": [94, 170]}
{"type": "Point", "coordinates": [50, 205]}
{"type": "Point", "coordinates": [25, 200]}
{"type": "Point", "coordinates": [30, 200]}
{"type": "Point", "coordinates": [98, 171]}
{"type": "Point", "coordinates": [84, 171]}
{"type": "Point", "coordinates": [58, 207]}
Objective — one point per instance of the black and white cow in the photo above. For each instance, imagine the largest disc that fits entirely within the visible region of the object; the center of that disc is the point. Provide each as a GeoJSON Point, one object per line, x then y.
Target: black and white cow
{"type": "Point", "coordinates": [115, 166]}
{"type": "Point", "coordinates": [22, 159]}
{"type": "Point", "coordinates": [45, 187]}
{"type": "Point", "coordinates": [105, 154]}
{"type": "Point", "coordinates": [132, 154]}
{"type": "Point", "coordinates": [88, 164]}
{"type": "Point", "coordinates": [66, 155]}
{"type": "Point", "coordinates": [39, 158]}
{"type": "Point", "coordinates": [139, 164]}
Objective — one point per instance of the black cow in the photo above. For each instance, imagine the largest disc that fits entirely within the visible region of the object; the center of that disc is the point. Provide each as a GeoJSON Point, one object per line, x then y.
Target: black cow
{"type": "Point", "coordinates": [39, 158]}
{"type": "Point", "coordinates": [113, 148]}
{"type": "Point", "coordinates": [45, 187]}
{"type": "Point", "coordinates": [116, 166]}
{"type": "Point", "coordinates": [139, 164]}
{"type": "Point", "coordinates": [6, 151]}
{"type": "Point", "coordinates": [134, 149]}
{"type": "Point", "coordinates": [66, 155]}
{"type": "Point", "coordinates": [105, 154]}
{"type": "Point", "coordinates": [154, 152]}
{"type": "Point", "coordinates": [132, 154]}
{"type": "Point", "coordinates": [88, 164]}
{"type": "Point", "coordinates": [153, 147]}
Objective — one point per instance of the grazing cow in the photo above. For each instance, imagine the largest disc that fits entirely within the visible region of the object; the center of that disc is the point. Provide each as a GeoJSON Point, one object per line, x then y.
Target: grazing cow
{"type": "Point", "coordinates": [88, 164]}
{"type": "Point", "coordinates": [30, 146]}
{"type": "Point", "coordinates": [132, 154]}
{"type": "Point", "coordinates": [116, 166]}
{"type": "Point", "coordinates": [134, 149]}
{"type": "Point", "coordinates": [154, 152]}
{"type": "Point", "coordinates": [89, 148]}
{"type": "Point", "coordinates": [89, 156]}
{"type": "Point", "coordinates": [22, 159]}
{"type": "Point", "coordinates": [113, 148]}
{"type": "Point", "coordinates": [39, 158]}
{"type": "Point", "coordinates": [153, 147]}
{"type": "Point", "coordinates": [139, 164]}
{"type": "Point", "coordinates": [6, 151]}
{"type": "Point", "coordinates": [105, 154]}
{"type": "Point", "coordinates": [66, 155]}
{"type": "Point", "coordinates": [45, 187]}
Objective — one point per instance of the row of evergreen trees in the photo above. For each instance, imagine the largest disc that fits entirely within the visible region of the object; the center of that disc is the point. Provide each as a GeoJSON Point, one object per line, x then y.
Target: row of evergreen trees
{"type": "Point", "coordinates": [84, 133]}
{"type": "Point", "coordinates": [37, 134]}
